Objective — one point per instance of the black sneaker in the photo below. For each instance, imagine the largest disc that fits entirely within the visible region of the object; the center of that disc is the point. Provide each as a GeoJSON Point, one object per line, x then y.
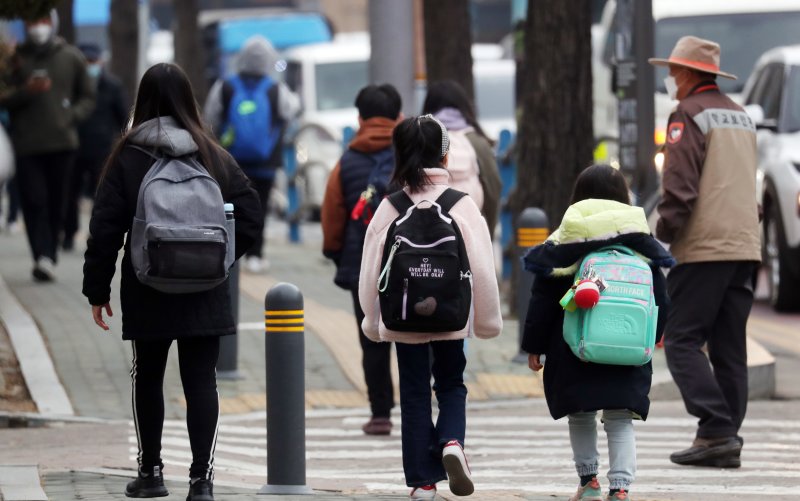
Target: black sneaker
{"type": "Point", "coordinates": [201, 490]}
{"type": "Point", "coordinates": [149, 486]}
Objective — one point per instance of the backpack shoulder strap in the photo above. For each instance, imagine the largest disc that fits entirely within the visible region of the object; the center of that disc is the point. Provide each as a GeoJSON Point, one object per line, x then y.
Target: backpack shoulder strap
{"type": "Point", "coordinates": [449, 198]}
{"type": "Point", "coordinates": [401, 201]}
{"type": "Point", "coordinates": [236, 82]}
{"type": "Point", "coordinates": [264, 84]}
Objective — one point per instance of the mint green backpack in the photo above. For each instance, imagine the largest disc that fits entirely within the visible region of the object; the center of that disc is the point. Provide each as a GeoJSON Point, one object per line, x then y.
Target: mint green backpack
{"type": "Point", "coordinates": [621, 328]}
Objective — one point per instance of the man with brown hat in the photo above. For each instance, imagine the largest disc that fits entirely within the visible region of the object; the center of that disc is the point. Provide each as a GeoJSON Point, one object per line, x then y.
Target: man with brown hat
{"type": "Point", "coordinates": [709, 215]}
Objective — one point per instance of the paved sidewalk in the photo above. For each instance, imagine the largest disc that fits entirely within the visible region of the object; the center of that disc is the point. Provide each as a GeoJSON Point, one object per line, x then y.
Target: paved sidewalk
{"type": "Point", "coordinates": [93, 365]}
{"type": "Point", "coordinates": [69, 486]}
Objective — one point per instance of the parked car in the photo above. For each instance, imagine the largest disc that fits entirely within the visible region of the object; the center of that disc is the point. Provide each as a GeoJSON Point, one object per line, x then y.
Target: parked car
{"type": "Point", "coordinates": [772, 98]}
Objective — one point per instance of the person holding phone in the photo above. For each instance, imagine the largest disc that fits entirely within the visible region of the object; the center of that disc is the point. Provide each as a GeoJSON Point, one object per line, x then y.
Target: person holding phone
{"type": "Point", "coordinates": [49, 93]}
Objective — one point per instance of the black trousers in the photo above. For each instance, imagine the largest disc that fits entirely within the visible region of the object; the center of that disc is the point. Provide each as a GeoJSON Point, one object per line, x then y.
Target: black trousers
{"type": "Point", "coordinates": [10, 187]}
{"type": "Point", "coordinates": [83, 180]}
{"type": "Point", "coordinates": [376, 361]}
{"type": "Point", "coordinates": [197, 359]}
{"type": "Point", "coordinates": [710, 305]}
{"type": "Point", "coordinates": [42, 182]}
{"type": "Point", "coordinates": [264, 188]}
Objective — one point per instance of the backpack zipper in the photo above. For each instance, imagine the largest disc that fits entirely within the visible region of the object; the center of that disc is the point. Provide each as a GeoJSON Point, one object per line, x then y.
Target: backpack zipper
{"type": "Point", "coordinates": [405, 298]}
{"type": "Point", "coordinates": [424, 246]}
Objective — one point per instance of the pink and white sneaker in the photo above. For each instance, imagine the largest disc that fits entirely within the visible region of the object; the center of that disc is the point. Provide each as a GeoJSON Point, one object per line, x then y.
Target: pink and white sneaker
{"type": "Point", "coordinates": [455, 464]}
{"type": "Point", "coordinates": [424, 492]}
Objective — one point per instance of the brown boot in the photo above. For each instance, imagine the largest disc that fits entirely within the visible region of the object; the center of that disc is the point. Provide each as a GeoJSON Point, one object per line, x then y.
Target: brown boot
{"type": "Point", "coordinates": [378, 426]}
{"type": "Point", "coordinates": [720, 452]}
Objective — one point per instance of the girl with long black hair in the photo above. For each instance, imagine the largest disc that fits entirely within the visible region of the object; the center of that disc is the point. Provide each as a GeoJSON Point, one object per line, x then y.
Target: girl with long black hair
{"type": "Point", "coordinates": [166, 122]}
{"type": "Point", "coordinates": [431, 452]}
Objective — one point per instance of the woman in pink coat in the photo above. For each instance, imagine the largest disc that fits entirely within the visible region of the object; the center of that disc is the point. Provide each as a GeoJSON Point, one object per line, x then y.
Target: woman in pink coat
{"type": "Point", "coordinates": [431, 452]}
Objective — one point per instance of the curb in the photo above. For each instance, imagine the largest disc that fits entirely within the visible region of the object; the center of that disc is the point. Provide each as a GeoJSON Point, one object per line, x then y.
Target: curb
{"type": "Point", "coordinates": [35, 363]}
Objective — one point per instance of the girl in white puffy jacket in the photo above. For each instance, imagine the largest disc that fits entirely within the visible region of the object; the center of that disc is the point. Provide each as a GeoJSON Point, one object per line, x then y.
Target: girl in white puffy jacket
{"type": "Point", "coordinates": [431, 451]}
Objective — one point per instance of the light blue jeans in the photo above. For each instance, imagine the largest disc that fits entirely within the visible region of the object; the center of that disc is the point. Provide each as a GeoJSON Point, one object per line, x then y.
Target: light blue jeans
{"type": "Point", "coordinates": [621, 445]}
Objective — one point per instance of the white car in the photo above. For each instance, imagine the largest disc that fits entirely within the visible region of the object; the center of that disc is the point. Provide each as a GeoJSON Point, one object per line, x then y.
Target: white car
{"type": "Point", "coordinates": [772, 97]}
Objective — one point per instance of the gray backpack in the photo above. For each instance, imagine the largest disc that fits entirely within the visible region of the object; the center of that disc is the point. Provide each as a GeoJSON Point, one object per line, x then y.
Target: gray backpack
{"type": "Point", "coordinates": [181, 240]}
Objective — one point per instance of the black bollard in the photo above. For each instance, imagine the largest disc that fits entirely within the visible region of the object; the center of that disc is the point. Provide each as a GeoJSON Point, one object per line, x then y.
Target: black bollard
{"type": "Point", "coordinates": [532, 229]}
{"type": "Point", "coordinates": [286, 408]}
{"type": "Point", "coordinates": [228, 361]}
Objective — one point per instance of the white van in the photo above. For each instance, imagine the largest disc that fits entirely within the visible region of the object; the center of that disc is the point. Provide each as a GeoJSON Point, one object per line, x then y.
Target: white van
{"type": "Point", "coordinates": [743, 28]}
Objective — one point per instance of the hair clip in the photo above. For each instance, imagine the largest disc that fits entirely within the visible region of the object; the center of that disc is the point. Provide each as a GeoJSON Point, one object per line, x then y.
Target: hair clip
{"type": "Point", "coordinates": [445, 135]}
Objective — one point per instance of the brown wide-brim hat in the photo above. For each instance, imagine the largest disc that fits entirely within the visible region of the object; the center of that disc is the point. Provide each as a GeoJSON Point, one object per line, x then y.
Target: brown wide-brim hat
{"type": "Point", "coordinates": [696, 54]}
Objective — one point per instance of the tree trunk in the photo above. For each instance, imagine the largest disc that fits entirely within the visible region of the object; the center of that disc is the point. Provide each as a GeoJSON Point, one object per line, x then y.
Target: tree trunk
{"type": "Point", "coordinates": [448, 42]}
{"type": "Point", "coordinates": [123, 34]}
{"type": "Point", "coordinates": [66, 24]}
{"type": "Point", "coordinates": [555, 131]}
{"type": "Point", "coordinates": [188, 49]}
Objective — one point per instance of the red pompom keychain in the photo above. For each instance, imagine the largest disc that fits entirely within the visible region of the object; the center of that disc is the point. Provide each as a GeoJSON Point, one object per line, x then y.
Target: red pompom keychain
{"type": "Point", "coordinates": [587, 294]}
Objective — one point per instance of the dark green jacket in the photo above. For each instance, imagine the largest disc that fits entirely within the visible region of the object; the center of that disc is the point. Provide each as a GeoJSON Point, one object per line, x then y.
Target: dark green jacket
{"type": "Point", "coordinates": [47, 122]}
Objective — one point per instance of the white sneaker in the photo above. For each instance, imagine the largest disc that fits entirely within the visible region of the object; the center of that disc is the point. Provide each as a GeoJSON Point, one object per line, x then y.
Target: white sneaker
{"type": "Point", "coordinates": [426, 492]}
{"type": "Point", "coordinates": [14, 228]}
{"type": "Point", "coordinates": [254, 265]}
{"type": "Point", "coordinates": [44, 270]}
{"type": "Point", "coordinates": [455, 464]}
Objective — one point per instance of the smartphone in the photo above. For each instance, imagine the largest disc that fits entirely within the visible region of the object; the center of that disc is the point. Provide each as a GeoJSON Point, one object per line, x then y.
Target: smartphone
{"type": "Point", "coordinates": [41, 73]}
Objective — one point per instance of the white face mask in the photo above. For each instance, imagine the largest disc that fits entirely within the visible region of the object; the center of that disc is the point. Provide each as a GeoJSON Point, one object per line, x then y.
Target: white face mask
{"type": "Point", "coordinates": [40, 33]}
{"type": "Point", "coordinates": [672, 87]}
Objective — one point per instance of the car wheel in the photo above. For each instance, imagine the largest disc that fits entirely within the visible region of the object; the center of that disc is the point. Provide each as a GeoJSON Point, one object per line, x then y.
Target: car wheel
{"type": "Point", "coordinates": [783, 287]}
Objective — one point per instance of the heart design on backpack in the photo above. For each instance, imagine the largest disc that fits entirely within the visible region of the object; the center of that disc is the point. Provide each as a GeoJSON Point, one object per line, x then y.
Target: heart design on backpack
{"type": "Point", "coordinates": [426, 307]}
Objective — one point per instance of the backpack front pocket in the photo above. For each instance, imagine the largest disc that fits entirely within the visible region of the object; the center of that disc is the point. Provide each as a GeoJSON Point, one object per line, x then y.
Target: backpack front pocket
{"type": "Point", "coordinates": [620, 333]}
{"type": "Point", "coordinates": [186, 253]}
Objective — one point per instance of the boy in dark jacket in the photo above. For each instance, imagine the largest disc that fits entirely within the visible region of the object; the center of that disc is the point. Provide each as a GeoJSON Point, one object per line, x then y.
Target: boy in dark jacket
{"type": "Point", "coordinates": [343, 230]}
{"type": "Point", "coordinates": [598, 217]}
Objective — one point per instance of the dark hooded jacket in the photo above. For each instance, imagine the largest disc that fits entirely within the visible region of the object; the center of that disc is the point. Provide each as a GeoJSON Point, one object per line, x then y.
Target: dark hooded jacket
{"type": "Point", "coordinates": [146, 312]}
{"type": "Point", "coordinates": [570, 384]}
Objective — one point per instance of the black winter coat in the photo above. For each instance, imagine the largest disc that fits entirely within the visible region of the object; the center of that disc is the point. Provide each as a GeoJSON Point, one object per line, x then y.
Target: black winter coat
{"type": "Point", "coordinates": [571, 385]}
{"type": "Point", "coordinates": [146, 312]}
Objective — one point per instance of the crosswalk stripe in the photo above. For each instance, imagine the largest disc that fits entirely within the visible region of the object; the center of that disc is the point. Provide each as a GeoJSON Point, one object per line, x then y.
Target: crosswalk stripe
{"type": "Point", "coordinates": [337, 450]}
{"type": "Point", "coordinates": [543, 488]}
{"type": "Point", "coordinates": [482, 445]}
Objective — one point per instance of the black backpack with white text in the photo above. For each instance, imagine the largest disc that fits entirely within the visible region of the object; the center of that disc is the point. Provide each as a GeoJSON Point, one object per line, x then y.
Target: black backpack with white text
{"type": "Point", "coordinates": [425, 283]}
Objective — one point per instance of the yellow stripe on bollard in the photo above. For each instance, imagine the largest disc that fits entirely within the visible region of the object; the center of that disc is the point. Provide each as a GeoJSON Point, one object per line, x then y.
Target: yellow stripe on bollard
{"type": "Point", "coordinates": [528, 237]}
{"type": "Point", "coordinates": [288, 321]}
{"type": "Point", "coordinates": [283, 312]}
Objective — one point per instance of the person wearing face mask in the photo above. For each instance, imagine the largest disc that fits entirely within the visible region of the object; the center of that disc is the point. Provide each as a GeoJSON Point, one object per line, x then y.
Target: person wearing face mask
{"type": "Point", "coordinates": [97, 134]}
{"type": "Point", "coordinates": [709, 215]}
{"type": "Point", "coordinates": [49, 93]}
